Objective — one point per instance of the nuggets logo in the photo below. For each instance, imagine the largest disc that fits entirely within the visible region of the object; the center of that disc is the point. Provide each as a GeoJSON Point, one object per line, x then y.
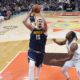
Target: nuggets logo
{"type": "Point", "coordinates": [38, 32]}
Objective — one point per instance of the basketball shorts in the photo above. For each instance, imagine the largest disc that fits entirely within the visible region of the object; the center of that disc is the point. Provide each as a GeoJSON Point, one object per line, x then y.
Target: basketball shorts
{"type": "Point", "coordinates": [38, 58]}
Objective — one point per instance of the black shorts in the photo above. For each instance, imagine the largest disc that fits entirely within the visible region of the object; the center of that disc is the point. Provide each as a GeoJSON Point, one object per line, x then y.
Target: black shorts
{"type": "Point", "coordinates": [38, 58]}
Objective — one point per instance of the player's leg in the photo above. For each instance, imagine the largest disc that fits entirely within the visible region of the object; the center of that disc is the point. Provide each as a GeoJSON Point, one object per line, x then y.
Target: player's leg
{"type": "Point", "coordinates": [77, 66]}
{"type": "Point", "coordinates": [64, 71]}
{"type": "Point", "coordinates": [67, 65]}
{"type": "Point", "coordinates": [39, 62]}
{"type": "Point", "coordinates": [32, 61]}
{"type": "Point", "coordinates": [37, 72]}
{"type": "Point", "coordinates": [31, 70]}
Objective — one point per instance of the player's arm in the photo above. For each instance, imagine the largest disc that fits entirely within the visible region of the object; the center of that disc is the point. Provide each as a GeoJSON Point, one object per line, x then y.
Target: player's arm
{"type": "Point", "coordinates": [45, 23]}
{"type": "Point", "coordinates": [60, 60]}
{"type": "Point", "coordinates": [68, 57]}
{"type": "Point", "coordinates": [73, 47]}
{"type": "Point", "coordinates": [59, 42]}
{"type": "Point", "coordinates": [25, 21]}
{"type": "Point", "coordinates": [71, 52]}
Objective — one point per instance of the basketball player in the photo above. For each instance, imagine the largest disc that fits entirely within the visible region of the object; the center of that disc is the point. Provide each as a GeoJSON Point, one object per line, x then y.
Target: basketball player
{"type": "Point", "coordinates": [37, 44]}
{"type": "Point", "coordinates": [73, 59]}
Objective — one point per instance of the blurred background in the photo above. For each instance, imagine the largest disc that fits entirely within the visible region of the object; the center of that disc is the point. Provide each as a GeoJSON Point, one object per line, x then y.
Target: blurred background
{"type": "Point", "coordinates": [18, 6]}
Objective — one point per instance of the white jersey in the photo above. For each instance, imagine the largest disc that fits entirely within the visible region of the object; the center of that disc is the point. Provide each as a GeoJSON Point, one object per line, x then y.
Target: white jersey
{"type": "Point", "coordinates": [1, 20]}
{"type": "Point", "coordinates": [76, 55]}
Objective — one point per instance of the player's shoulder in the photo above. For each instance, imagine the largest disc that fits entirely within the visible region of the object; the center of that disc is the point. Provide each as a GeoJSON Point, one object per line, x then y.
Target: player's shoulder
{"type": "Point", "coordinates": [74, 47]}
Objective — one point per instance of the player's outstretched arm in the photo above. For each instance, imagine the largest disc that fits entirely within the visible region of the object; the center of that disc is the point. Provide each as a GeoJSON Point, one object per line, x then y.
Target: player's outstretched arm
{"type": "Point", "coordinates": [60, 60]}
{"type": "Point", "coordinates": [59, 42]}
{"type": "Point", "coordinates": [25, 22]}
{"type": "Point", "coordinates": [68, 57]}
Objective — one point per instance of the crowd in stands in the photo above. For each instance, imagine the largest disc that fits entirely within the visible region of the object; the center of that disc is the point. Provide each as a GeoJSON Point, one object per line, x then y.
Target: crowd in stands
{"type": "Point", "coordinates": [18, 6]}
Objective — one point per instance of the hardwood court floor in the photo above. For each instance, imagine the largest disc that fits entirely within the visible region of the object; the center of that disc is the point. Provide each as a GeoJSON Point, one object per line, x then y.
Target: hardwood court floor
{"type": "Point", "coordinates": [18, 70]}
{"type": "Point", "coordinates": [14, 64]}
{"type": "Point", "coordinates": [8, 50]}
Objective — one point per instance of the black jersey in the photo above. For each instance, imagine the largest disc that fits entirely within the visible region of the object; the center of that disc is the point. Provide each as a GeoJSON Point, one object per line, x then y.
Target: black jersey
{"type": "Point", "coordinates": [38, 40]}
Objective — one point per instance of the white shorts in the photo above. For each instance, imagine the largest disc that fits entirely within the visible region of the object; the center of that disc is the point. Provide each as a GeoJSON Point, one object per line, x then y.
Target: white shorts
{"type": "Point", "coordinates": [69, 64]}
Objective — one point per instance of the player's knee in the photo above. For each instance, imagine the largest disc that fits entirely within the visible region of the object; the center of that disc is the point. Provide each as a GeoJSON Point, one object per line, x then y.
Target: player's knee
{"type": "Point", "coordinates": [62, 70]}
{"type": "Point", "coordinates": [31, 64]}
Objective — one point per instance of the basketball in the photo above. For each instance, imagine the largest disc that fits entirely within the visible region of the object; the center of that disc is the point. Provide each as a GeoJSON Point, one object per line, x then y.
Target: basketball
{"type": "Point", "coordinates": [36, 8]}
{"type": "Point", "coordinates": [73, 47]}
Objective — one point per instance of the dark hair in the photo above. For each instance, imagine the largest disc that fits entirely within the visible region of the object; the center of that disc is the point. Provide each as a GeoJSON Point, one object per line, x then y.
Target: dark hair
{"type": "Point", "coordinates": [71, 35]}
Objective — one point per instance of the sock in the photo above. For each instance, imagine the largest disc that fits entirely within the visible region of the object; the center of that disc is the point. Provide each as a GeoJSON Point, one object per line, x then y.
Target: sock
{"type": "Point", "coordinates": [37, 72]}
{"type": "Point", "coordinates": [65, 73]}
{"type": "Point", "coordinates": [31, 70]}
